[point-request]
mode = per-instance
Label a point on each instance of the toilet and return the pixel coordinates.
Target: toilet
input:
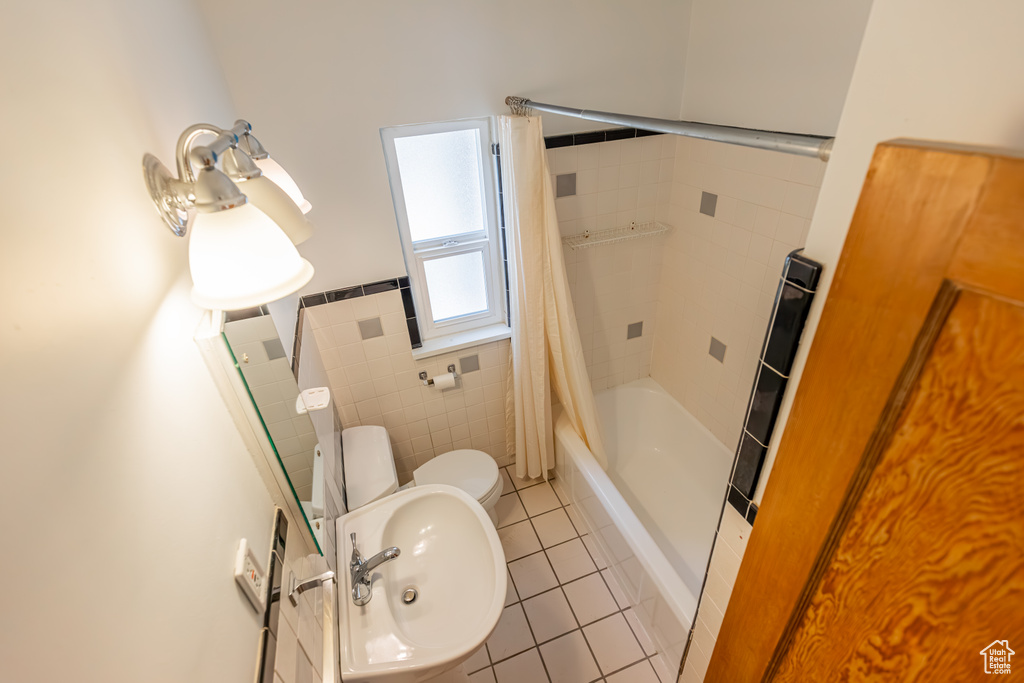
(370, 470)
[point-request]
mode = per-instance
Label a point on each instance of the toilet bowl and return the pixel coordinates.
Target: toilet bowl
(370, 470)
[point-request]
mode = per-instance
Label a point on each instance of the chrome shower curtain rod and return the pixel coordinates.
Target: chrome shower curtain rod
(791, 143)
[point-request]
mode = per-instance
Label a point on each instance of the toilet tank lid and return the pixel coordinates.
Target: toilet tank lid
(369, 465)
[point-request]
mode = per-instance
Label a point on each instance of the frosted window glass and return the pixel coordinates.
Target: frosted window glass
(456, 285)
(441, 183)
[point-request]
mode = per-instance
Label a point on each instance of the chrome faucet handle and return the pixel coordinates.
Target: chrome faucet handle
(361, 593)
(357, 557)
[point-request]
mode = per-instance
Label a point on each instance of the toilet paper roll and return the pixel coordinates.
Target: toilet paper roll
(445, 381)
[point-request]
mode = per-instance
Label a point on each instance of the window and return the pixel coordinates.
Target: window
(442, 184)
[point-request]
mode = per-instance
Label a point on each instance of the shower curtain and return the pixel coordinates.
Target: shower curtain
(546, 351)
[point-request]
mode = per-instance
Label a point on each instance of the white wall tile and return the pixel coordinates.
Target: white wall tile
(380, 385)
(719, 274)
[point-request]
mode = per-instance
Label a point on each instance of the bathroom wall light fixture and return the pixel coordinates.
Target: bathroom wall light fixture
(273, 170)
(240, 252)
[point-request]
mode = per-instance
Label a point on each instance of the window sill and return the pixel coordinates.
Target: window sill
(462, 340)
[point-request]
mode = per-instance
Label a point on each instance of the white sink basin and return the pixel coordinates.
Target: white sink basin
(451, 556)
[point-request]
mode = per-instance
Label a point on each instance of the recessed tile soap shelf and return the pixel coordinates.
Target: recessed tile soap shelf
(592, 238)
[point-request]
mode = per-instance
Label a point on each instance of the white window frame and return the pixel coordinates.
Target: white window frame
(486, 240)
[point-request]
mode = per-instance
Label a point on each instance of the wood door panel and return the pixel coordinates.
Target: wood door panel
(930, 567)
(883, 287)
(929, 213)
(991, 254)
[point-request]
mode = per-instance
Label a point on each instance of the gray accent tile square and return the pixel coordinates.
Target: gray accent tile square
(469, 364)
(708, 203)
(368, 329)
(717, 350)
(565, 185)
(635, 330)
(274, 349)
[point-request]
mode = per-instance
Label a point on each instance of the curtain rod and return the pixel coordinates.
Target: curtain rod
(816, 146)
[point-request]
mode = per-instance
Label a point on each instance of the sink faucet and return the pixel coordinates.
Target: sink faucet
(362, 571)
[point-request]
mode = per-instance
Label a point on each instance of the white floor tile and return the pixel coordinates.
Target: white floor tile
(518, 540)
(570, 560)
(553, 528)
(511, 595)
(549, 615)
(613, 643)
(511, 636)
(563, 495)
(532, 575)
(521, 483)
(595, 552)
(478, 660)
(506, 481)
(590, 598)
(569, 660)
(666, 673)
(577, 521)
(638, 673)
(539, 499)
(524, 668)
(638, 630)
(484, 676)
(509, 509)
(615, 588)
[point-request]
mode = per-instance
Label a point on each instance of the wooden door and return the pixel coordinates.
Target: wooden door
(890, 542)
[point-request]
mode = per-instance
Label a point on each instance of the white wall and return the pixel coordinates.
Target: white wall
(782, 65)
(125, 486)
(928, 70)
(318, 79)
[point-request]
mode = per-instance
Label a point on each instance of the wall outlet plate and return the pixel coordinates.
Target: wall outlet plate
(250, 576)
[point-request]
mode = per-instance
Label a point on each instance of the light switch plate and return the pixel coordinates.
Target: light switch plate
(250, 576)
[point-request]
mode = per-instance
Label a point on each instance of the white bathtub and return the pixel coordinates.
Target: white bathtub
(654, 512)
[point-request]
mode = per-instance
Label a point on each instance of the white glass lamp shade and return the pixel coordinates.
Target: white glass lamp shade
(273, 170)
(269, 198)
(240, 259)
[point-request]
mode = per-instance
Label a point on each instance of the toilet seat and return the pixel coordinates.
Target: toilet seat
(473, 471)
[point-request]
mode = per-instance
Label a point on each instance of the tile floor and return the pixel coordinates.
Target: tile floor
(565, 619)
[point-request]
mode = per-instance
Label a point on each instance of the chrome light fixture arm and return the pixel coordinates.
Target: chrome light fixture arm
(224, 140)
(177, 198)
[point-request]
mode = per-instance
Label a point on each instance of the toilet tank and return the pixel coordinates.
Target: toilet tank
(369, 465)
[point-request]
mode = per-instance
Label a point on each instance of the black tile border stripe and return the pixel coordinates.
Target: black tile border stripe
(379, 287)
(804, 273)
(592, 137)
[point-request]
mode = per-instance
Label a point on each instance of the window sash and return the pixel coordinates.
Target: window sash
(484, 247)
(484, 240)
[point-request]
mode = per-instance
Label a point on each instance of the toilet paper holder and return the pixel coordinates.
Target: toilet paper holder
(430, 382)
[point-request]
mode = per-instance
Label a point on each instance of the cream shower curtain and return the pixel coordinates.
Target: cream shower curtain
(546, 351)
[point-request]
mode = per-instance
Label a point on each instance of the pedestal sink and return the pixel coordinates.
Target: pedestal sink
(432, 606)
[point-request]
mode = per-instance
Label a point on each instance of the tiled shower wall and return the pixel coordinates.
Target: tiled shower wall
(375, 382)
(720, 271)
(615, 285)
